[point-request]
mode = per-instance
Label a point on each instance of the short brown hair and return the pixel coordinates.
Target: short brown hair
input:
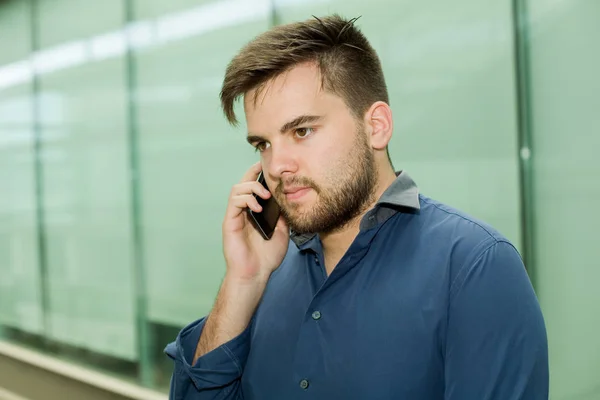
(349, 66)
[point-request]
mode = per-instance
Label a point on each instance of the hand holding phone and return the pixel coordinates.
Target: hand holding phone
(255, 235)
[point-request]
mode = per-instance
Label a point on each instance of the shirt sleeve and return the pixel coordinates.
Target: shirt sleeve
(215, 375)
(496, 344)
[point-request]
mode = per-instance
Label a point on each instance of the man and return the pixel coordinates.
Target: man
(378, 292)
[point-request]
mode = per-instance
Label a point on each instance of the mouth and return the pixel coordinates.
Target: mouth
(295, 193)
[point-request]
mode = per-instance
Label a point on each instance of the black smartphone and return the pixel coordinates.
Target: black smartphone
(266, 220)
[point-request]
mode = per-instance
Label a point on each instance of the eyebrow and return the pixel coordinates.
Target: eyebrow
(303, 119)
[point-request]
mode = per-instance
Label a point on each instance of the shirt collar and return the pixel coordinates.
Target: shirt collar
(401, 196)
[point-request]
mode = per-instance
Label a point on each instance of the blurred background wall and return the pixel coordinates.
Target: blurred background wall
(116, 161)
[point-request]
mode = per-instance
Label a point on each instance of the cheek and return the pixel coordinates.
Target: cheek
(337, 151)
(329, 162)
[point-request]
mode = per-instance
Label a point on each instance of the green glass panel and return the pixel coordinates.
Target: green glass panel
(20, 303)
(565, 86)
(87, 192)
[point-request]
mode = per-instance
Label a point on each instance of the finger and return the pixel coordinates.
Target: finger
(250, 187)
(239, 203)
(252, 173)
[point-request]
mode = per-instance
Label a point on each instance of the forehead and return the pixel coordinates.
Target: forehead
(291, 94)
(300, 82)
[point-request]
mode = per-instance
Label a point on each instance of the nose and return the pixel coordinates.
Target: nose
(281, 161)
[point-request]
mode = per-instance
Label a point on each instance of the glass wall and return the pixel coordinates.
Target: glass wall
(20, 294)
(565, 105)
(116, 161)
(86, 181)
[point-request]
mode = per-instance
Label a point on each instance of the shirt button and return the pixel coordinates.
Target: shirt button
(304, 384)
(317, 261)
(316, 315)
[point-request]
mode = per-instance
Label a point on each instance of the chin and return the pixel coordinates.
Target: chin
(300, 207)
(298, 217)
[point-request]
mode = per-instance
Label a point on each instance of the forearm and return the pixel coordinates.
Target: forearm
(234, 307)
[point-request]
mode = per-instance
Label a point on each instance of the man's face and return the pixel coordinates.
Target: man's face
(315, 155)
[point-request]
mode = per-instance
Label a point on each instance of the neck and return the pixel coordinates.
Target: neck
(335, 244)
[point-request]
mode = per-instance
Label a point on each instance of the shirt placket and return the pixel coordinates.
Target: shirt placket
(308, 359)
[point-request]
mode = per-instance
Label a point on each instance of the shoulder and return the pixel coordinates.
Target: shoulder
(444, 219)
(447, 240)
(442, 227)
(469, 242)
(455, 228)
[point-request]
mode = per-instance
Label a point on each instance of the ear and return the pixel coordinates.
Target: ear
(378, 120)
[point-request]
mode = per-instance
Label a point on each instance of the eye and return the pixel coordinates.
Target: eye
(304, 132)
(261, 146)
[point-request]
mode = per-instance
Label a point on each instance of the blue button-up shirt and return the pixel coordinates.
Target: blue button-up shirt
(427, 303)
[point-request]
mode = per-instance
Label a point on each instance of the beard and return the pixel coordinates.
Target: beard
(350, 189)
